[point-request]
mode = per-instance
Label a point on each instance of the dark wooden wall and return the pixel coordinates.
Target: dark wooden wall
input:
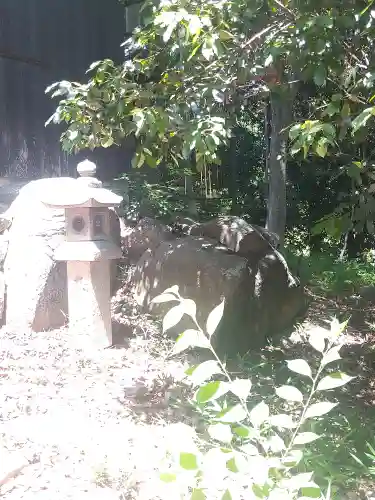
(43, 41)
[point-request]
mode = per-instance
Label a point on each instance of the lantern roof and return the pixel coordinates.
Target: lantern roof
(87, 191)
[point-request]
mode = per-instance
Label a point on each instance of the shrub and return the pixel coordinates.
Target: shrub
(247, 451)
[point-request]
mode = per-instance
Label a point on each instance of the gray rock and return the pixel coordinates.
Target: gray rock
(202, 272)
(148, 234)
(4, 242)
(262, 297)
(237, 235)
(35, 282)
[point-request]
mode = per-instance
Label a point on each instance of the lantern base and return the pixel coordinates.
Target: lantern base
(89, 301)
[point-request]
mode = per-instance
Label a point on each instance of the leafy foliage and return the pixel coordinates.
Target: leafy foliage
(328, 276)
(195, 70)
(246, 451)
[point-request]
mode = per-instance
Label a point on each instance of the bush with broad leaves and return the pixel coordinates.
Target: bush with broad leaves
(245, 451)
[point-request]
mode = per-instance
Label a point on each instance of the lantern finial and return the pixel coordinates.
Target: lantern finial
(87, 170)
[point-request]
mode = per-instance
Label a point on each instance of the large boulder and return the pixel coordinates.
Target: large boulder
(266, 304)
(262, 297)
(203, 273)
(36, 294)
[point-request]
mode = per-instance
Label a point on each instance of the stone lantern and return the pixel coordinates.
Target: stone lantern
(88, 251)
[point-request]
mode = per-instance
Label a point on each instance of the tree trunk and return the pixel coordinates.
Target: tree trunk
(282, 113)
(267, 140)
(233, 174)
(192, 207)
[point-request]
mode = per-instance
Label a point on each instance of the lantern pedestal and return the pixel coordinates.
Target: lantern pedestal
(88, 300)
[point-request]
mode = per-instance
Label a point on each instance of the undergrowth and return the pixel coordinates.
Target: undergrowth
(253, 445)
(329, 276)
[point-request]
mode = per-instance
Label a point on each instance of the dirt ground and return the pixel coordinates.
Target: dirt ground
(76, 423)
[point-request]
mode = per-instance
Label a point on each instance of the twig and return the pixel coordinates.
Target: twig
(283, 7)
(360, 64)
(264, 31)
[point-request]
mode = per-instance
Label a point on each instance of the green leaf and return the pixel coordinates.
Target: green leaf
(337, 328)
(329, 130)
(195, 25)
(204, 371)
(225, 35)
(295, 131)
(300, 366)
(164, 297)
(168, 32)
(241, 388)
(234, 414)
(268, 61)
(298, 481)
(362, 119)
(173, 317)
(138, 160)
(167, 477)
(305, 438)
(275, 444)
(242, 432)
(333, 380)
(207, 52)
(282, 420)
(151, 161)
(189, 307)
(211, 391)
(190, 338)
(227, 495)
(108, 142)
(194, 51)
(319, 409)
(331, 355)
(220, 432)
(320, 75)
(259, 414)
(290, 393)
(322, 148)
(231, 465)
(214, 319)
(317, 340)
(332, 109)
(312, 491)
(293, 458)
(198, 494)
(188, 461)
(173, 289)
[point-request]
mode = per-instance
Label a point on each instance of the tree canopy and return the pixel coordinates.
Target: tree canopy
(196, 68)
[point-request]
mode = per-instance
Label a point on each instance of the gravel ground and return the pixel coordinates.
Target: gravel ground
(77, 423)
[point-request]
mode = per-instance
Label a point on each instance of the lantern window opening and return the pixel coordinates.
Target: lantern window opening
(78, 224)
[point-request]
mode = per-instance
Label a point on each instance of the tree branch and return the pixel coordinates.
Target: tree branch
(283, 7)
